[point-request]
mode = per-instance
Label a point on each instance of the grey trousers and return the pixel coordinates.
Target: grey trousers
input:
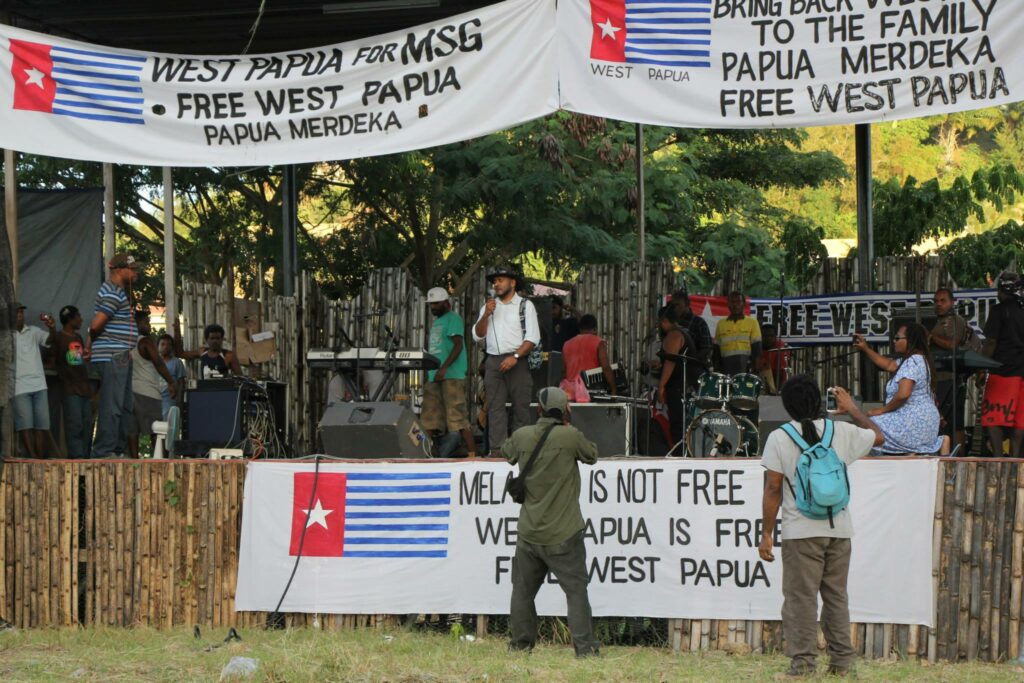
(811, 566)
(568, 562)
(514, 386)
(116, 407)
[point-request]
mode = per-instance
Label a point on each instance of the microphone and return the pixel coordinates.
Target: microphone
(491, 293)
(721, 444)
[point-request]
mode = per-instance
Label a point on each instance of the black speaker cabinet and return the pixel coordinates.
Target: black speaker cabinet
(606, 424)
(370, 430)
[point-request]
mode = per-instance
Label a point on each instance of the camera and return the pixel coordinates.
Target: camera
(831, 405)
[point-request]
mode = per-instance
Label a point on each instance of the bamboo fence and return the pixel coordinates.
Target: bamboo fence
(155, 543)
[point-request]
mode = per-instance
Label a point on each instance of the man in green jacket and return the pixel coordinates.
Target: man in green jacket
(551, 523)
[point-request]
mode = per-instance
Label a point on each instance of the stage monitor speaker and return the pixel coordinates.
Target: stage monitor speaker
(606, 424)
(370, 430)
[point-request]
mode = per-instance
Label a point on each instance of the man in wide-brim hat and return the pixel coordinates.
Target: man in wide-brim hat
(508, 328)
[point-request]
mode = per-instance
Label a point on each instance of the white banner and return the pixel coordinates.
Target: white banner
(787, 63)
(670, 538)
(455, 79)
(835, 318)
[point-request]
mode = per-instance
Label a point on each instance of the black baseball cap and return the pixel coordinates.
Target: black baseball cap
(67, 313)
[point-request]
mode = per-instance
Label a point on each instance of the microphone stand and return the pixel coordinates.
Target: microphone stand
(683, 358)
(826, 359)
(634, 365)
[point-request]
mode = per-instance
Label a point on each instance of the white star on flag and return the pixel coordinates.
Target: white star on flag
(317, 515)
(710, 318)
(608, 29)
(35, 77)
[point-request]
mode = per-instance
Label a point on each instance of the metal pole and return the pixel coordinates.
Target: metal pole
(865, 240)
(170, 303)
(288, 226)
(109, 231)
(641, 215)
(11, 211)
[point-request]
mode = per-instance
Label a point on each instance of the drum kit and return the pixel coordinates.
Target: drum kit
(717, 424)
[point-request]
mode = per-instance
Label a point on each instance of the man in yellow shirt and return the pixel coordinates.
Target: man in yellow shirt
(737, 339)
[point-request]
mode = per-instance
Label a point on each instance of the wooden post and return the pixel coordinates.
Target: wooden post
(11, 211)
(109, 230)
(171, 309)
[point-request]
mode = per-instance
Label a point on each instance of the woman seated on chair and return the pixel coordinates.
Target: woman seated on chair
(909, 419)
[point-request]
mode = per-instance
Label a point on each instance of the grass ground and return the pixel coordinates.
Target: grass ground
(399, 657)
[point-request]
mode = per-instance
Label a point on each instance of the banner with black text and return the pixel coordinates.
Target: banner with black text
(673, 538)
(835, 318)
(455, 79)
(787, 63)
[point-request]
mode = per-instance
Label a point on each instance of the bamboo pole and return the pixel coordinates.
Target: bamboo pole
(1015, 645)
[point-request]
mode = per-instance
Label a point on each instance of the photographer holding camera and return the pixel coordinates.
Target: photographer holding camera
(550, 521)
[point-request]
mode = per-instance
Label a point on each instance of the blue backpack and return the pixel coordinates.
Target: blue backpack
(822, 485)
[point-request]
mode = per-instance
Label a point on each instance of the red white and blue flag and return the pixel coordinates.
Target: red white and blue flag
(85, 84)
(348, 533)
(673, 33)
(371, 514)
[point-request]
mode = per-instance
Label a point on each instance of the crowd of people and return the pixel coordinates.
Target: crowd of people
(113, 383)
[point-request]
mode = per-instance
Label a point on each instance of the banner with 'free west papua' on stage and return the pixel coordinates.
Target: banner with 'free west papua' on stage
(672, 538)
(787, 63)
(454, 79)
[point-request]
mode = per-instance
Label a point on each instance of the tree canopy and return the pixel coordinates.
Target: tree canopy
(561, 192)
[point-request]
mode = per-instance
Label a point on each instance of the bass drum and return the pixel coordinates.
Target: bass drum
(714, 433)
(751, 439)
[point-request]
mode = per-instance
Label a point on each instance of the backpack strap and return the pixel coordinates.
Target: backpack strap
(796, 437)
(522, 315)
(830, 429)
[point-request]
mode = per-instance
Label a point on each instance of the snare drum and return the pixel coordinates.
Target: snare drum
(744, 391)
(712, 390)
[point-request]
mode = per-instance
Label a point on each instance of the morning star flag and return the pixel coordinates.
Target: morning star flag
(85, 84)
(787, 63)
(454, 79)
(371, 514)
(660, 32)
(350, 526)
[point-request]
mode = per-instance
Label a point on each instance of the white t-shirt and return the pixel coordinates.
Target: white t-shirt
(780, 454)
(505, 330)
(29, 375)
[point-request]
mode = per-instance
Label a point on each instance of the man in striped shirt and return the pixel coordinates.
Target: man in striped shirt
(112, 336)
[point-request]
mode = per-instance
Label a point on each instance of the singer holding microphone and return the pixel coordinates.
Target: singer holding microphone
(509, 330)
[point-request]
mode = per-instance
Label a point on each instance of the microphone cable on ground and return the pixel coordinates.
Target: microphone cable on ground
(275, 620)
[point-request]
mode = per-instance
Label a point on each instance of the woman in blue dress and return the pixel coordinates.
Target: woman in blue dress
(909, 419)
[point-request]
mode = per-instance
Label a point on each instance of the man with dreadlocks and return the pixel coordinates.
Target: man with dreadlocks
(815, 552)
